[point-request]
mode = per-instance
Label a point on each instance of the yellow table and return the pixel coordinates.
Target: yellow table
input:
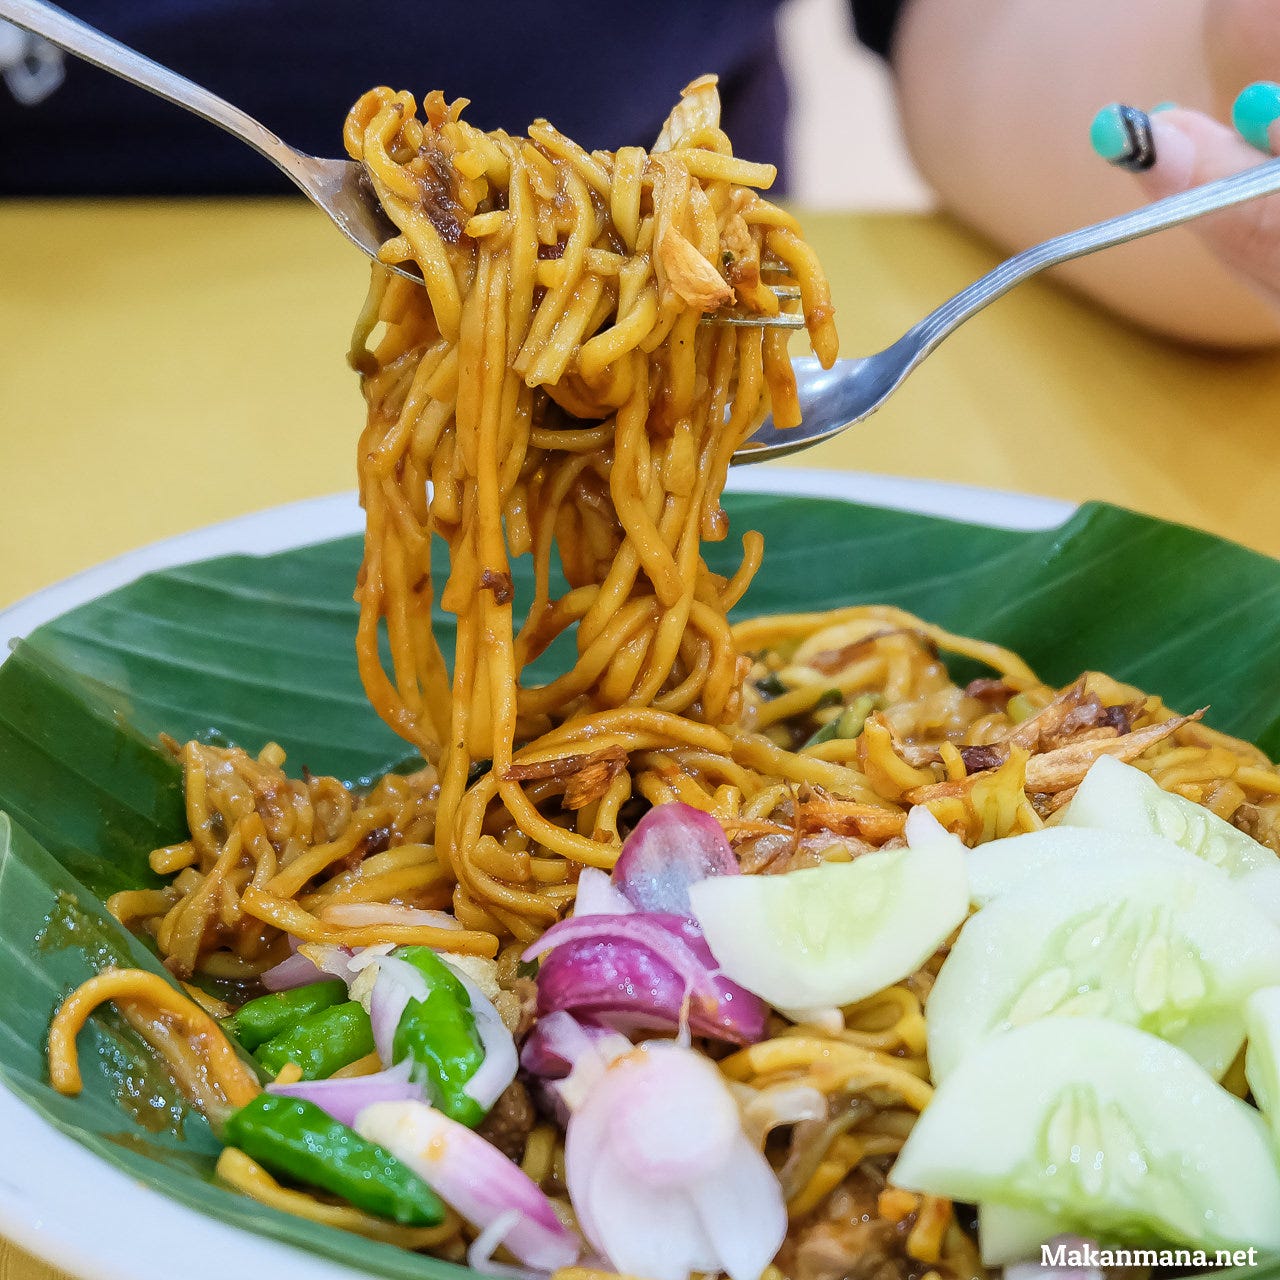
(163, 366)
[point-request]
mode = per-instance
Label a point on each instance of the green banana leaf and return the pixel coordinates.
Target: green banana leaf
(252, 649)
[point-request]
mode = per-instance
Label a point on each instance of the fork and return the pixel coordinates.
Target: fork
(339, 187)
(834, 399)
(831, 400)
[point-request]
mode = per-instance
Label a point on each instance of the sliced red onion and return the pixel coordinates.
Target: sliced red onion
(743, 1215)
(558, 1041)
(363, 957)
(645, 970)
(670, 938)
(337, 962)
(397, 983)
(675, 1251)
(355, 915)
(566, 1057)
(672, 1119)
(345, 1098)
(480, 1250)
(784, 1103)
(500, 1059)
(658, 1141)
(672, 846)
(296, 971)
(474, 1178)
(598, 896)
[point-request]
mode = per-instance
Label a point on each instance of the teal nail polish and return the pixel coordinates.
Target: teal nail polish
(1163, 106)
(1121, 135)
(1107, 134)
(1254, 111)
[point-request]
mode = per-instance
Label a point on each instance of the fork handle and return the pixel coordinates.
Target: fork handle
(60, 28)
(1261, 180)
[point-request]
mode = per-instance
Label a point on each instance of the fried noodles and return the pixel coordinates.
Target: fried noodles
(553, 384)
(550, 389)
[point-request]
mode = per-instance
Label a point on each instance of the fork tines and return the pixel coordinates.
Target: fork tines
(751, 319)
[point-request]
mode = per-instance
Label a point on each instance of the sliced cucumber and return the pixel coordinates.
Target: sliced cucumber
(1000, 866)
(1262, 888)
(1104, 1128)
(1165, 944)
(1262, 1057)
(1115, 796)
(833, 934)
(1008, 1234)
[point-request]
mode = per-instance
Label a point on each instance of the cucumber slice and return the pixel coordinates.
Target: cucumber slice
(1262, 1057)
(833, 934)
(999, 866)
(1010, 1234)
(1115, 796)
(1163, 943)
(1108, 1130)
(1262, 888)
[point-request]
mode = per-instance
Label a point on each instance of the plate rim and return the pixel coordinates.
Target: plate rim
(73, 1210)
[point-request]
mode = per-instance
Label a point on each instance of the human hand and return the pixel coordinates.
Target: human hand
(1173, 148)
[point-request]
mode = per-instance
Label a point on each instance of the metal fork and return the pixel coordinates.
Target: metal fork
(834, 399)
(830, 400)
(339, 187)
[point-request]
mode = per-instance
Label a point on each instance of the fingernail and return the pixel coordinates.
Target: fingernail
(1121, 135)
(1163, 106)
(1177, 152)
(1254, 111)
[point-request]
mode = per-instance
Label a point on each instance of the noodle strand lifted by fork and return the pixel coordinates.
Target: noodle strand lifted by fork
(551, 390)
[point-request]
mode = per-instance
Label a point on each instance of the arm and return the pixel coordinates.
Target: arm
(997, 97)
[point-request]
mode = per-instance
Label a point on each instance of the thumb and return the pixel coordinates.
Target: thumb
(1188, 149)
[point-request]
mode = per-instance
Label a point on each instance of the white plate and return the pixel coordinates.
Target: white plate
(85, 1216)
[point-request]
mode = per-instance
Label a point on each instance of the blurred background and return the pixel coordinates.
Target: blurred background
(842, 105)
(844, 146)
(166, 363)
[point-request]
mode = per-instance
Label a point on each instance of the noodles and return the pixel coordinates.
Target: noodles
(550, 389)
(553, 383)
(220, 1067)
(237, 1170)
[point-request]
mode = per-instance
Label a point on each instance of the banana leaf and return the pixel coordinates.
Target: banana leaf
(249, 650)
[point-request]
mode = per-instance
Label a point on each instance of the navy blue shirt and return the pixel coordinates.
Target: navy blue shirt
(605, 75)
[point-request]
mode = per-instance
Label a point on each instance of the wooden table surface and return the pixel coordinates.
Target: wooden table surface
(167, 365)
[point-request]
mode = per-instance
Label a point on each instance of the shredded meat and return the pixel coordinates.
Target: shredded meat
(377, 841)
(558, 766)
(741, 261)
(816, 811)
(850, 1241)
(592, 780)
(692, 277)
(524, 991)
(994, 692)
(1118, 718)
(510, 1122)
(832, 661)
(976, 759)
(499, 582)
(1075, 711)
(1066, 766)
(586, 775)
(759, 854)
(698, 108)
(437, 193)
(1253, 821)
